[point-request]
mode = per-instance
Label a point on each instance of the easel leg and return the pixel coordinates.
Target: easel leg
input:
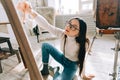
(89, 50)
(1, 67)
(115, 66)
(18, 56)
(22, 58)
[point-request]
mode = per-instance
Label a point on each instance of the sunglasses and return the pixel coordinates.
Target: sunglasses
(72, 27)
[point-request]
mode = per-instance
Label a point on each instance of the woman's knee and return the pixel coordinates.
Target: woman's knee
(44, 45)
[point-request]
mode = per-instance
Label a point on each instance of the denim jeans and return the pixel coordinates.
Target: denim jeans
(70, 67)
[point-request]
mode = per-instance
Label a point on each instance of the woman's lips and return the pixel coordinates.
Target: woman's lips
(66, 30)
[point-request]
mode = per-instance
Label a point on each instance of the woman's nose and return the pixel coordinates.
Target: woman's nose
(67, 27)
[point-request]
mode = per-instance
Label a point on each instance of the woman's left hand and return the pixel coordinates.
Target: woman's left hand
(88, 77)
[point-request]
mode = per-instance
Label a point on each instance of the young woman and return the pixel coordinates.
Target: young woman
(73, 44)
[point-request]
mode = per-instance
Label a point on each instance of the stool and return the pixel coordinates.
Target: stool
(5, 50)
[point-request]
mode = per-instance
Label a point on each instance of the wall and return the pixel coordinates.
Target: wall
(88, 18)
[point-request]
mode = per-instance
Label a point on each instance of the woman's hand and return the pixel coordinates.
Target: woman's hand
(88, 77)
(24, 7)
(21, 6)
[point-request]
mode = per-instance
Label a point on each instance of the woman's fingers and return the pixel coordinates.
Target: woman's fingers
(24, 7)
(21, 6)
(28, 7)
(88, 77)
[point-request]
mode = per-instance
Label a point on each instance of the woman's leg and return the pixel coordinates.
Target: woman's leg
(68, 74)
(69, 71)
(47, 50)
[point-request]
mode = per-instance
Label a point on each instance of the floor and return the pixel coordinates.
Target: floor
(100, 62)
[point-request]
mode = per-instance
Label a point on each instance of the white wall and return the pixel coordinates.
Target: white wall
(51, 3)
(88, 18)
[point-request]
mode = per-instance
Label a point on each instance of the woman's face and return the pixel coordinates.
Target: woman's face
(72, 28)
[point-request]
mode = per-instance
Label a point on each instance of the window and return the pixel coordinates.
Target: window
(67, 6)
(86, 5)
(73, 6)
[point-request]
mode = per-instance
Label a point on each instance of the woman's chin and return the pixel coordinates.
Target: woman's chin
(67, 34)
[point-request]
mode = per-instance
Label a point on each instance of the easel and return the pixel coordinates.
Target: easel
(115, 66)
(110, 20)
(22, 40)
(107, 17)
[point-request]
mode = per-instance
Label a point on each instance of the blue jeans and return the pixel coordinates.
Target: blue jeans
(70, 67)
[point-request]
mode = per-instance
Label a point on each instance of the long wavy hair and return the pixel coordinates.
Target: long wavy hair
(81, 39)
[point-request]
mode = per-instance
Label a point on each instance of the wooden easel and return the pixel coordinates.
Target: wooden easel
(116, 69)
(22, 40)
(107, 14)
